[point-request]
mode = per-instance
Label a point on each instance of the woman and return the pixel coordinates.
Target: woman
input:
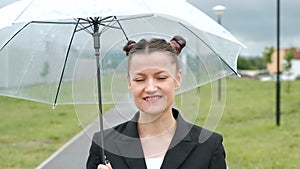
(157, 137)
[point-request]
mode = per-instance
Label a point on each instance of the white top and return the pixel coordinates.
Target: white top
(154, 163)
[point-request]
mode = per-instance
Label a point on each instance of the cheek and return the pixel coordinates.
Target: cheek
(135, 89)
(169, 89)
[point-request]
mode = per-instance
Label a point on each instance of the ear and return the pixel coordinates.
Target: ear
(178, 79)
(128, 82)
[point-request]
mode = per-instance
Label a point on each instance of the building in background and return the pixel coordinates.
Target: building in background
(295, 69)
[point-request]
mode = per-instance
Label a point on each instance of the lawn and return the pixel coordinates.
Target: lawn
(31, 132)
(251, 138)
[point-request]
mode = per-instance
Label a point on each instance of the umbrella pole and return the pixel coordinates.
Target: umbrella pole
(96, 36)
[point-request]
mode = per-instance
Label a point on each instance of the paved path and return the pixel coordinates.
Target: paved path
(73, 155)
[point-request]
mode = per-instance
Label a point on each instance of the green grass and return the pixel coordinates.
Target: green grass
(31, 132)
(251, 138)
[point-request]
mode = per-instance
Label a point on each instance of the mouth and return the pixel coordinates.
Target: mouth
(152, 99)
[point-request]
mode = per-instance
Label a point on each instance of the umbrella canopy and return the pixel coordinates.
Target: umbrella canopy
(70, 52)
(45, 42)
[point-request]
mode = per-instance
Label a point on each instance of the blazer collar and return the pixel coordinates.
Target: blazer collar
(181, 145)
(130, 147)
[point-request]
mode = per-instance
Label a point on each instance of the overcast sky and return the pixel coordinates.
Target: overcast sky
(253, 22)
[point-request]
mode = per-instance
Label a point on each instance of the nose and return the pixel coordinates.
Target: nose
(151, 86)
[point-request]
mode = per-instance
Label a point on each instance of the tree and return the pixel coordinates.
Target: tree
(288, 57)
(288, 65)
(250, 63)
(268, 53)
(242, 63)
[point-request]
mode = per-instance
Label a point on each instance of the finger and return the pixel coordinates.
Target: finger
(109, 166)
(101, 166)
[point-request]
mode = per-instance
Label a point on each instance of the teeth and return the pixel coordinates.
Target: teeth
(152, 98)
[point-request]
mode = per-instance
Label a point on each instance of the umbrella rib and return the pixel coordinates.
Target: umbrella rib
(104, 19)
(210, 49)
(136, 17)
(82, 19)
(64, 66)
(110, 26)
(121, 28)
(23, 11)
(53, 22)
(106, 26)
(96, 20)
(84, 28)
(14, 35)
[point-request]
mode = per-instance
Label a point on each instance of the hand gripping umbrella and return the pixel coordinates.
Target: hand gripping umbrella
(45, 47)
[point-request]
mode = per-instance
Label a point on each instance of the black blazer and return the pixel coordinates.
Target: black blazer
(192, 147)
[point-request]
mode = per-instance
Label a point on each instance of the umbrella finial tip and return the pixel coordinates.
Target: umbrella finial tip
(54, 105)
(239, 75)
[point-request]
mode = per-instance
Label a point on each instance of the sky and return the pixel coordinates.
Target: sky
(253, 22)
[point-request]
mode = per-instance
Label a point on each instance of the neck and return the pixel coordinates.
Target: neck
(156, 133)
(153, 125)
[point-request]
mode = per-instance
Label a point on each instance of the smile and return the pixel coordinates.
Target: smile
(152, 98)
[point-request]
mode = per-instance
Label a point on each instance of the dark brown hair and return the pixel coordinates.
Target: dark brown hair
(175, 46)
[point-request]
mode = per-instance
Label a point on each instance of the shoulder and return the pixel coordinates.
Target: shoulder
(207, 146)
(204, 136)
(197, 134)
(209, 143)
(115, 132)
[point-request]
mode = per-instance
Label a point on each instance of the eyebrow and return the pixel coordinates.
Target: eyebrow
(142, 74)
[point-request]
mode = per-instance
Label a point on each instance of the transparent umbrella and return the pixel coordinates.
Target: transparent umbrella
(62, 52)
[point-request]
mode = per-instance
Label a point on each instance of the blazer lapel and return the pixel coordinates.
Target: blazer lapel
(130, 147)
(177, 155)
(132, 153)
(181, 145)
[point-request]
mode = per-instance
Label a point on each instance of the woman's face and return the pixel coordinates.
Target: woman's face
(152, 81)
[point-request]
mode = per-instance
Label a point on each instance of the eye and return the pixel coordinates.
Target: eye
(139, 79)
(162, 77)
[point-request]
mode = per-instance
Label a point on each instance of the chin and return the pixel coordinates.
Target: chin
(153, 110)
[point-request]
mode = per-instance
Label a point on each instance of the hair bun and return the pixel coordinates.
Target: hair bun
(178, 43)
(130, 44)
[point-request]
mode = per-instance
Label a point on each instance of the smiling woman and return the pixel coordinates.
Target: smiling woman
(153, 79)
(157, 133)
